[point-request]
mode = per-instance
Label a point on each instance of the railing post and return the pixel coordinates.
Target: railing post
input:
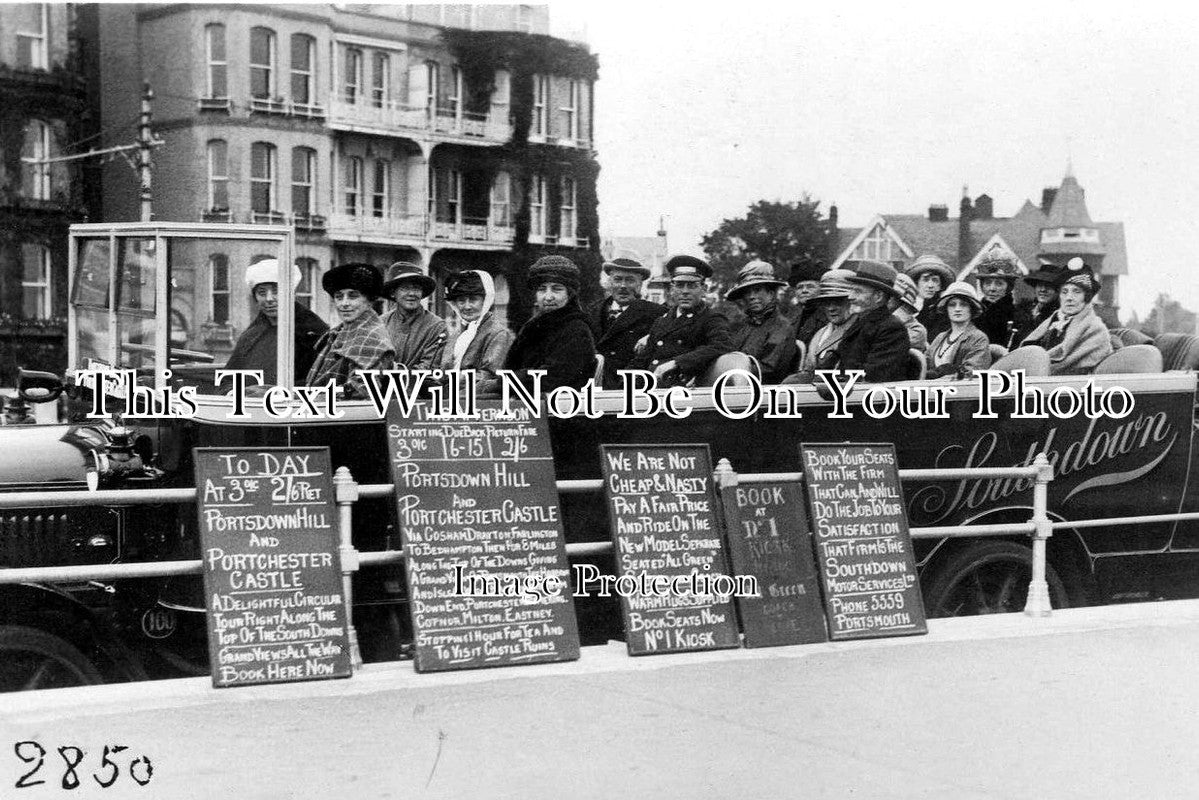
(724, 474)
(345, 489)
(1038, 604)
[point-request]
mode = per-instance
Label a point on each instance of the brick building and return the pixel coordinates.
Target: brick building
(458, 137)
(1053, 232)
(43, 97)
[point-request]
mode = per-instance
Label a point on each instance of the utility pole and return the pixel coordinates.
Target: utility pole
(144, 143)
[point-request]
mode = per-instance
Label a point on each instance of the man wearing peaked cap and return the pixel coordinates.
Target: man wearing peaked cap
(765, 333)
(876, 342)
(418, 334)
(622, 318)
(257, 347)
(683, 342)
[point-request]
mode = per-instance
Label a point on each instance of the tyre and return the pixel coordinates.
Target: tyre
(987, 578)
(34, 659)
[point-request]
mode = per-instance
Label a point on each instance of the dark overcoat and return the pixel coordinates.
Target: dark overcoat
(557, 341)
(1000, 320)
(693, 339)
(616, 339)
(876, 342)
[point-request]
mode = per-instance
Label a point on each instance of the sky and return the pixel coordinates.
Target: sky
(702, 109)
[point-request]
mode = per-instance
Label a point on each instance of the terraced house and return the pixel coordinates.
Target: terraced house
(459, 137)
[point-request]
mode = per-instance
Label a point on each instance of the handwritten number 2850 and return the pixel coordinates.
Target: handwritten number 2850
(33, 753)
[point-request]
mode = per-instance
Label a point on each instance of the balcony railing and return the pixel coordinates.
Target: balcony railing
(308, 110)
(391, 114)
(400, 227)
(268, 218)
(216, 215)
(308, 222)
(472, 230)
(266, 105)
(214, 104)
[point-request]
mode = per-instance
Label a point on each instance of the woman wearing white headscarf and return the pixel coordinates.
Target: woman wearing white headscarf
(482, 342)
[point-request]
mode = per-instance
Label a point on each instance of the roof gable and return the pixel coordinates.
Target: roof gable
(879, 223)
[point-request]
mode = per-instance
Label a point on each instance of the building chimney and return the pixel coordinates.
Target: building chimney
(1048, 194)
(832, 238)
(938, 212)
(965, 214)
(984, 207)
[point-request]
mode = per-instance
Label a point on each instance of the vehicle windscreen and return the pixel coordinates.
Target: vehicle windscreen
(155, 302)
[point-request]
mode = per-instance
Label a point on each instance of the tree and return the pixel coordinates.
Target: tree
(779, 233)
(1168, 316)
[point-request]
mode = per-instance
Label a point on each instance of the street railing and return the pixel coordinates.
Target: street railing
(347, 492)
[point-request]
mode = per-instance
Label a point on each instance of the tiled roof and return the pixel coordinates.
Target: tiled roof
(1069, 208)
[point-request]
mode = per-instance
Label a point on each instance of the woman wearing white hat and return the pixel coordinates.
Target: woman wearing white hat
(258, 344)
(1077, 340)
(959, 351)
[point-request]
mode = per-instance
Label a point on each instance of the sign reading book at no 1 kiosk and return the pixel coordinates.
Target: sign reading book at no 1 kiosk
(272, 578)
(769, 538)
(863, 547)
(477, 505)
(668, 544)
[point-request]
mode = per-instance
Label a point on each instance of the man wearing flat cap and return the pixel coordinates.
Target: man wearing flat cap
(876, 342)
(622, 318)
(257, 346)
(417, 334)
(686, 340)
(764, 333)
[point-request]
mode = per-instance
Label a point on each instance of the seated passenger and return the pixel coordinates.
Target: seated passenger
(685, 341)
(765, 333)
(905, 307)
(417, 334)
(257, 346)
(622, 318)
(1075, 337)
(876, 342)
(997, 274)
(359, 341)
(1044, 302)
(806, 274)
(481, 342)
(832, 298)
(557, 339)
(931, 275)
(963, 349)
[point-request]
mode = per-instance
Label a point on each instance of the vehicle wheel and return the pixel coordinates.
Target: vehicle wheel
(33, 659)
(988, 578)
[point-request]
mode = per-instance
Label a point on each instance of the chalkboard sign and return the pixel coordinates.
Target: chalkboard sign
(272, 577)
(769, 538)
(863, 547)
(675, 590)
(477, 505)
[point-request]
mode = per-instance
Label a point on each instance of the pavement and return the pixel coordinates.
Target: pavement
(1089, 703)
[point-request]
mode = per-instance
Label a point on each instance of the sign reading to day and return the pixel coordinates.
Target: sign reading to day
(863, 547)
(272, 579)
(767, 525)
(669, 548)
(477, 505)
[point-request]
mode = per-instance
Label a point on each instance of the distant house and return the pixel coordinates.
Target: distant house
(1054, 232)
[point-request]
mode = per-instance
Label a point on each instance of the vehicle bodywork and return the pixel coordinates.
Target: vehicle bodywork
(140, 313)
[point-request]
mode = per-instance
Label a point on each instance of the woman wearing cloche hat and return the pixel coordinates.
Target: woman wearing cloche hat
(997, 274)
(359, 341)
(1043, 303)
(557, 339)
(963, 349)
(1077, 340)
(765, 333)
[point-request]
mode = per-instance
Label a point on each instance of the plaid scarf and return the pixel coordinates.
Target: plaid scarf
(361, 343)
